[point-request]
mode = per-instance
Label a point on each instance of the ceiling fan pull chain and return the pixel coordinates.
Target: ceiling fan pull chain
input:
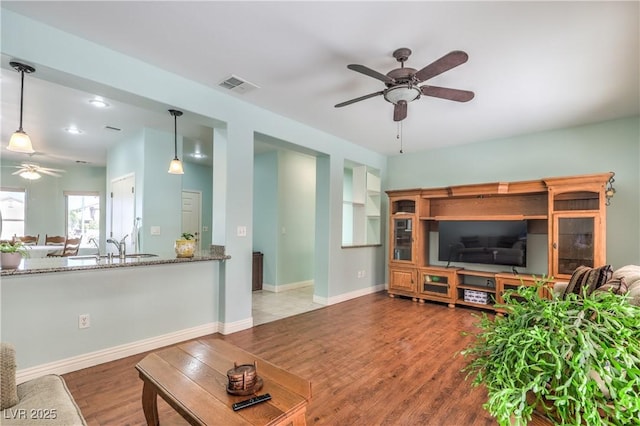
(399, 135)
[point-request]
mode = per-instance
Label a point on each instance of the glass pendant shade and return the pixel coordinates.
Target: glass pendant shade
(175, 167)
(20, 142)
(406, 93)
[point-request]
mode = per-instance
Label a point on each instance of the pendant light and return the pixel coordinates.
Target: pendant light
(175, 167)
(20, 141)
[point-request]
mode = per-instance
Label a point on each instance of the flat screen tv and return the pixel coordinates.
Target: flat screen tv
(494, 242)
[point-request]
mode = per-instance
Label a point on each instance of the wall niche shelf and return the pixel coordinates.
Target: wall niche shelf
(567, 209)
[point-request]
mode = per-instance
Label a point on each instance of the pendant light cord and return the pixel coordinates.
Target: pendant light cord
(175, 136)
(399, 135)
(21, 98)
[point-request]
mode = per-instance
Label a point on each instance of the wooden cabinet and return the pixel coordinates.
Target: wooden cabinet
(476, 288)
(577, 225)
(403, 247)
(402, 281)
(513, 282)
(570, 210)
(437, 284)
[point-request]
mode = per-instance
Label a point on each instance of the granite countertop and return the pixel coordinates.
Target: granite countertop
(89, 262)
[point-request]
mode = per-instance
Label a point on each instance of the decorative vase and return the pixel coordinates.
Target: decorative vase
(10, 260)
(185, 248)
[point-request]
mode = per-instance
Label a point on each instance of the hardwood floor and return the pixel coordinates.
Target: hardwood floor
(371, 361)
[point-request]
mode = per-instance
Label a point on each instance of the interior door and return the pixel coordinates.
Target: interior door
(123, 209)
(191, 214)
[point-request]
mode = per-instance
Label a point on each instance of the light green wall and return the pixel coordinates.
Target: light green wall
(40, 312)
(265, 219)
(45, 196)
(296, 201)
(597, 148)
(198, 177)
(162, 194)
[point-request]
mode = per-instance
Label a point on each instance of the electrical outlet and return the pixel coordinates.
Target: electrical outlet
(84, 321)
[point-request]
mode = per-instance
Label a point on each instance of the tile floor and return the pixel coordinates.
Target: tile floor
(269, 306)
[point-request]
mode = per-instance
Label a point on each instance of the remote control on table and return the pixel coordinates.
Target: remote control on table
(249, 402)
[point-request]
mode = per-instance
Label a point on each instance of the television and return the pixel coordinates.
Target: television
(494, 242)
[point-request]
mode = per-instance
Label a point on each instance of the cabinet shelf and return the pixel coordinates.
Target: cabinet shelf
(475, 305)
(488, 217)
(476, 288)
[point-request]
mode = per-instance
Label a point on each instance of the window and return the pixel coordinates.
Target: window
(83, 216)
(12, 209)
(360, 205)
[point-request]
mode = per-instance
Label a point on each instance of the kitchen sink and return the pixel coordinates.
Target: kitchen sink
(139, 255)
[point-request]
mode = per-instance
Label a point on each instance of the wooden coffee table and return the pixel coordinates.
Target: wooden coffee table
(192, 378)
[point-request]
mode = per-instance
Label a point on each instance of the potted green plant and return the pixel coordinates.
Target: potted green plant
(185, 245)
(574, 360)
(11, 253)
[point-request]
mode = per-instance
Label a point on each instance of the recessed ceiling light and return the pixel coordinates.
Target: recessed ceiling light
(198, 155)
(98, 103)
(73, 130)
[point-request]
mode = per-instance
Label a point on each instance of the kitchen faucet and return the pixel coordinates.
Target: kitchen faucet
(121, 246)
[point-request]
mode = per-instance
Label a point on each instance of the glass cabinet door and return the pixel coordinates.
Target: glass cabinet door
(574, 243)
(403, 239)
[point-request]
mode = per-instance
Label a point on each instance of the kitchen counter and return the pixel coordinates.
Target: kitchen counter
(89, 262)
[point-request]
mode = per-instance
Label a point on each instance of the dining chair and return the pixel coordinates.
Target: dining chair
(71, 247)
(28, 240)
(54, 240)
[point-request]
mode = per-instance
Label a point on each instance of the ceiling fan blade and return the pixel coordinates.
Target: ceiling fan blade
(446, 93)
(49, 169)
(371, 73)
(448, 61)
(47, 172)
(361, 98)
(400, 111)
(17, 172)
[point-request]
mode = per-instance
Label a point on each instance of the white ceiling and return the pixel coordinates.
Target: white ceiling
(533, 66)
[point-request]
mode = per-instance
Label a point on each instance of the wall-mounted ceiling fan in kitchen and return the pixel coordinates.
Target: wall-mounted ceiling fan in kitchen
(402, 83)
(31, 171)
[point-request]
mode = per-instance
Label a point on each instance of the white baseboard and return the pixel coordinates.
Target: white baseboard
(287, 287)
(348, 296)
(228, 328)
(116, 352)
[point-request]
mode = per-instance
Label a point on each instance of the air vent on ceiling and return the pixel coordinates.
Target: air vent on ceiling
(115, 129)
(237, 84)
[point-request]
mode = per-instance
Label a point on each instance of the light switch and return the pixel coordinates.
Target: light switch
(242, 231)
(155, 230)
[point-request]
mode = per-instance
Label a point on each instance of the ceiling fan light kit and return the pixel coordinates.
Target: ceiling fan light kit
(20, 141)
(30, 175)
(402, 83)
(175, 167)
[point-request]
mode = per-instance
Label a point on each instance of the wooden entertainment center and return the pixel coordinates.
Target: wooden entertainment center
(570, 210)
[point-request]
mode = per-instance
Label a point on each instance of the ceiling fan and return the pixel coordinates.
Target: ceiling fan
(402, 83)
(33, 171)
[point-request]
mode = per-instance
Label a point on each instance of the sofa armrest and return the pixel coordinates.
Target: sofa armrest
(46, 401)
